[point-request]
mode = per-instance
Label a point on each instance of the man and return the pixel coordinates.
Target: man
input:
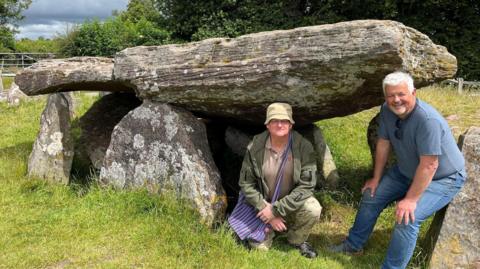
(429, 171)
(296, 210)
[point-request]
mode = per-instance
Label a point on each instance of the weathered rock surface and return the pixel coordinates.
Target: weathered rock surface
(327, 174)
(322, 71)
(52, 153)
(73, 74)
(237, 140)
(164, 148)
(14, 95)
(458, 244)
(98, 122)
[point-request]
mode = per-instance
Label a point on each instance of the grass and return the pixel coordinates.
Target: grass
(7, 81)
(45, 225)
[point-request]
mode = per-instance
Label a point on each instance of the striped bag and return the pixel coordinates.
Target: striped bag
(244, 220)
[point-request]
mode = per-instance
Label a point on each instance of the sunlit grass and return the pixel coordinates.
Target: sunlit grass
(45, 225)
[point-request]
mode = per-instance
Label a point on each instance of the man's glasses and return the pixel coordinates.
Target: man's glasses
(398, 131)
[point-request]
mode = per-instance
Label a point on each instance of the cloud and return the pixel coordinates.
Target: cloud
(49, 29)
(49, 17)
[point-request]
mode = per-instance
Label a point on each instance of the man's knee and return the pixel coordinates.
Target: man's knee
(409, 230)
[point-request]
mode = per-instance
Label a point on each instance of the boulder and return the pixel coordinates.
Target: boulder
(14, 95)
(73, 74)
(98, 122)
(237, 141)
(372, 137)
(327, 174)
(52, 152)
(458, 243)
(322, 71)
(163, 148)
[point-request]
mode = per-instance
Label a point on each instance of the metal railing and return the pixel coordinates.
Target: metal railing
(10, 63)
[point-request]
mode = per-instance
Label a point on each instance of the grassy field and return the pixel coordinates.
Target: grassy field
(45, 225)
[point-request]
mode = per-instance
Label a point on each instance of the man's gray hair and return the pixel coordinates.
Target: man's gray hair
(395, 78)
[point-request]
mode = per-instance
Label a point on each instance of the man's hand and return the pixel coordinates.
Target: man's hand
(278, 224)
(371, 184)
(405, 210)
(266, 214)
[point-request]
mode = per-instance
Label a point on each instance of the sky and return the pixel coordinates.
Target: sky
(48, 18)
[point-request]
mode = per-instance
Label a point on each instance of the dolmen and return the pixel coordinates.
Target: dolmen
(176, 111)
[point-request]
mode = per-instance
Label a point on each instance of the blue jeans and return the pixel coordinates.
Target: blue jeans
(393, 187)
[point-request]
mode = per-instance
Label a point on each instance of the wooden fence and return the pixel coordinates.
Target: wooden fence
(460, 82)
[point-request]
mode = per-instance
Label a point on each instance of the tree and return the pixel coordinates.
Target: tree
(10, 14)
(451, 23)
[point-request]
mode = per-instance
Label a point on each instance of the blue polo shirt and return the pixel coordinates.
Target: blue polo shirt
(423, 132)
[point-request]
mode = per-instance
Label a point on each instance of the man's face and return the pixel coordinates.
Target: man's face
(399, 99)
(279, 128)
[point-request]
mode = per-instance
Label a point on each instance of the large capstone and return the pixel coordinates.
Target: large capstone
(163, 148)
(73, 74)
(52, 152)
(322, 71)
(458, 244)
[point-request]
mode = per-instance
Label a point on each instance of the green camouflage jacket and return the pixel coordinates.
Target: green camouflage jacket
(252, 181)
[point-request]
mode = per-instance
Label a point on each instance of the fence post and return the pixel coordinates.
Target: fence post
(460, 85)
(1, 82)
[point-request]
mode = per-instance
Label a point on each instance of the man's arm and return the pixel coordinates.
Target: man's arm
(423, 176)
(381, 156)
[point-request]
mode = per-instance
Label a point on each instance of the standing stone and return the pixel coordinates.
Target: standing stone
(372, 137)
(327, 174)
(98, 122)
(458, 244)
(52, 153)
(237, 140)
(14, 95)
(163, 148)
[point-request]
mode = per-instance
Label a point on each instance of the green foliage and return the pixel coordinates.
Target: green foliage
(10, 10)
(452, 23)
(7, 40)
(39, 45)
(95, 38)
(46, 225)
(10, 13)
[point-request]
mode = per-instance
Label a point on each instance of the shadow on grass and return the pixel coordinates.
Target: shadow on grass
(348, 190)
(16, 156)
(372, 257)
